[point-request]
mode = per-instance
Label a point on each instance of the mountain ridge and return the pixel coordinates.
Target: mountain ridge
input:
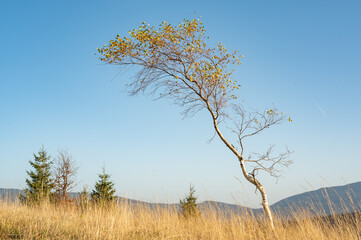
(323, 201)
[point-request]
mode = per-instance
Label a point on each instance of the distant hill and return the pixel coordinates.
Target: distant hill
(321, 202)
(324, 201)
(10, 193)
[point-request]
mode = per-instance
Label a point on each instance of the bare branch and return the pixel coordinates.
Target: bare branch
(64, 173)
(269, 163)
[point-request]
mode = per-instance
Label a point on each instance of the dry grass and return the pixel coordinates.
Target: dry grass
(125, 222)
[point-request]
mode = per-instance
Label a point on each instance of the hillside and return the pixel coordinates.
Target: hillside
(10, 193)
(324, 201)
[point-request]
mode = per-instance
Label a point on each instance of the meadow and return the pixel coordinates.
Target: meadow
(123, 221)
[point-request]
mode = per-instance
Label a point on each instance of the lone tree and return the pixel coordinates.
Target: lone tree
(104, 189)
(64, 175)
(40, 183)
(175, 62)
(188, 205)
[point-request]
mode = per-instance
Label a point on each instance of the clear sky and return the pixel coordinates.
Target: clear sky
(302, 56)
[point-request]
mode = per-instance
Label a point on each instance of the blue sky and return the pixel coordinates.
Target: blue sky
(302, 56)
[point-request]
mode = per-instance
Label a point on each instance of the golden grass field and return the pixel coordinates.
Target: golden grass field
(125, 222)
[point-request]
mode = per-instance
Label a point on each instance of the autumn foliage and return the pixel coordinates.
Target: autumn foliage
(177, 61)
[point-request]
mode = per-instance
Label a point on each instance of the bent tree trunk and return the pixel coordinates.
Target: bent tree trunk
(250, 178)
(259, 186)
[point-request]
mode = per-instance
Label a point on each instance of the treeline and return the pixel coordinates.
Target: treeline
(52, 180)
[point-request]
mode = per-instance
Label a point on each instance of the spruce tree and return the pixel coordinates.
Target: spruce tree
(39, 184)
(104, 191)
(188, 205)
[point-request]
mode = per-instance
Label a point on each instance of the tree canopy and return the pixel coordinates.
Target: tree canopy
(178, 64)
